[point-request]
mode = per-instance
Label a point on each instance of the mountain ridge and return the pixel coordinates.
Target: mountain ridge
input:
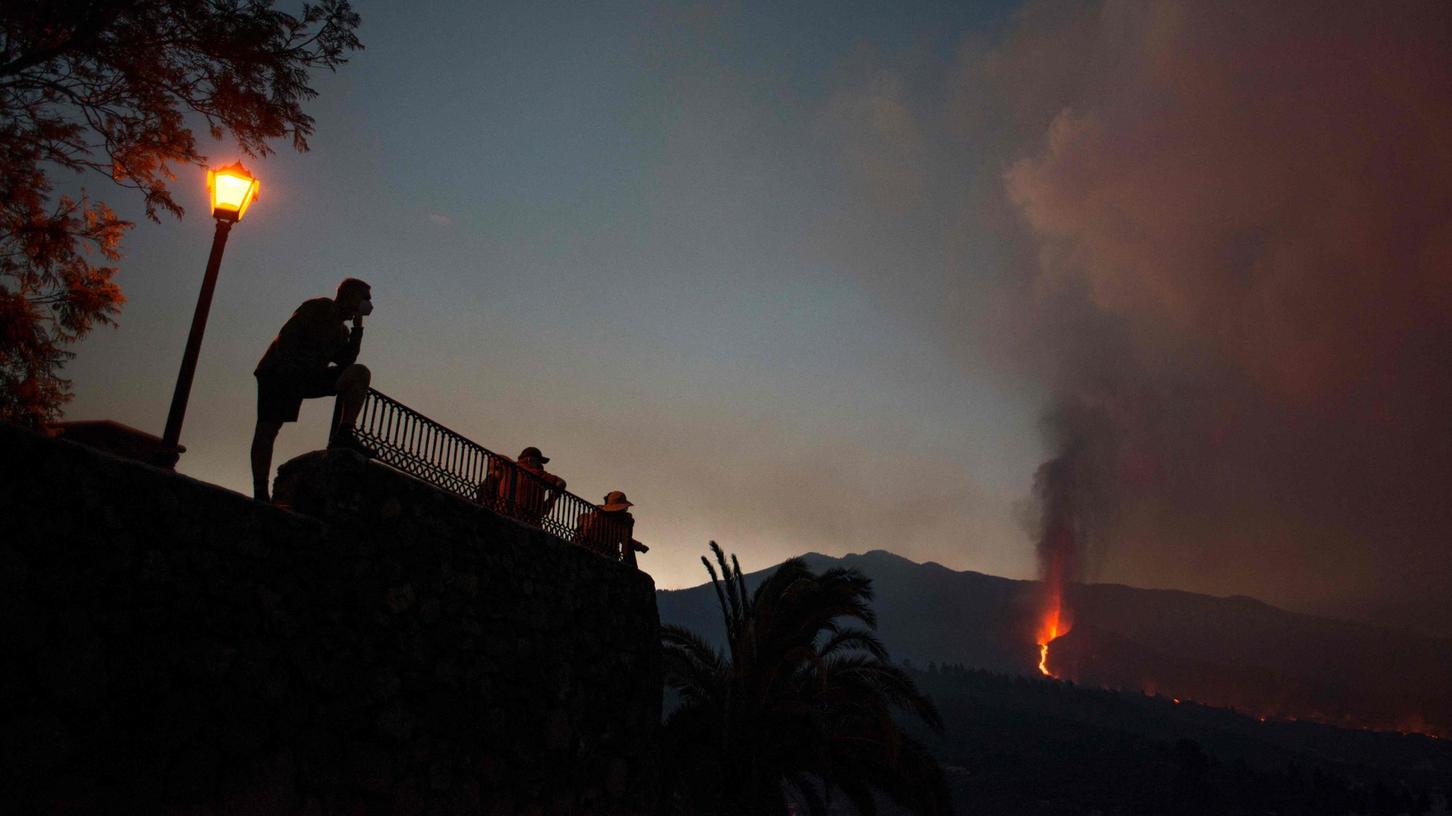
(817, 559)
(1235, 651)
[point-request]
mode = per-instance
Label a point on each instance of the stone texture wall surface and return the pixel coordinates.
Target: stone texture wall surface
(167, 646)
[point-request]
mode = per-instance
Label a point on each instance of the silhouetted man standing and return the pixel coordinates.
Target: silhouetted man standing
(312, 356)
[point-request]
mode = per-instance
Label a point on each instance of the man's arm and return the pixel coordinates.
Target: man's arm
(556, 487)
(585, 529)
(488, 493)
(348, 351)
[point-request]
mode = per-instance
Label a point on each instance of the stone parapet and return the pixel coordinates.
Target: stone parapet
(171, 646)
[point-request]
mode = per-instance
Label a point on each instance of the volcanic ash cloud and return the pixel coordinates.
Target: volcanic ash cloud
(1239, 224)
(1073, 505)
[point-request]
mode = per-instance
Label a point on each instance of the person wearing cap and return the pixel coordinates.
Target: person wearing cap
(607, 529)
(524, 489)
(314, 355)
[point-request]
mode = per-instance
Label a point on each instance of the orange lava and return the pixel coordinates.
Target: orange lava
(1049, 629)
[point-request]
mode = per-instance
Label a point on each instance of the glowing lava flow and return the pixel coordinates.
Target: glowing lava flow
(1054, 618)
(1056, 483)
(1049, 630)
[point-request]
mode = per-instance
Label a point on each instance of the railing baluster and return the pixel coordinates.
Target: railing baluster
(414, 429)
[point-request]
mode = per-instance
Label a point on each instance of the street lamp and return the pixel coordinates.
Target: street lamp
(232, 190)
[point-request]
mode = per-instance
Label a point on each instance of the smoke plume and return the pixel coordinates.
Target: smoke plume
(1236, 277)
(1073, 506)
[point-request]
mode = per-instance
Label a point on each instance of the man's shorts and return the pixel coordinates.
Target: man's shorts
(280, 393)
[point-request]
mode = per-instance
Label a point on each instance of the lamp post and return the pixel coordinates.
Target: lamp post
(233, 190)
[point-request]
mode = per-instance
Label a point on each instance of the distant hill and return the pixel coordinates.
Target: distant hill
(1233, 651)
(1020, 746)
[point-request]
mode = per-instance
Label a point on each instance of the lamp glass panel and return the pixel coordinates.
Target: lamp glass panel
(232, 193)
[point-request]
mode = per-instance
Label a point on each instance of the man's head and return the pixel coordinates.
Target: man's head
(354, 297)
(531, 458)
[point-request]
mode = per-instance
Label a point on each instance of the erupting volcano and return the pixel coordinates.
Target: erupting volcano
(1049, 628)
(1045, 638)
(1053, 617)
(1067, 504)
(1056, 551)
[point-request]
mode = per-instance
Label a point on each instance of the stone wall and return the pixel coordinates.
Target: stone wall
(170, 646)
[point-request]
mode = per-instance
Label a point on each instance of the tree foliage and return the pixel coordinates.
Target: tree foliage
(115, 87)
(800, 705)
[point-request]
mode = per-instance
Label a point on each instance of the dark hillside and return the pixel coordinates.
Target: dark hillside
(925, 611)
(1019, 745)
(1232, 651)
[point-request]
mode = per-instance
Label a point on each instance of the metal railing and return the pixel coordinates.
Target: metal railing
(408, 441)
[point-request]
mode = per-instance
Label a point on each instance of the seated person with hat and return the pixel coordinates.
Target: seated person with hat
(523, 490)
(607, 529)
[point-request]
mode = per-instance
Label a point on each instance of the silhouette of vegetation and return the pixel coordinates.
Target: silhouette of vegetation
(1025, 746)
(1018, 744)
(108, 86)
(800, 706)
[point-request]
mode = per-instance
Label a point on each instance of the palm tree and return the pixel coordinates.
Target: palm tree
(800, 705)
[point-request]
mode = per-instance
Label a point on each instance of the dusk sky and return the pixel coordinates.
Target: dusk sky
(809, 277)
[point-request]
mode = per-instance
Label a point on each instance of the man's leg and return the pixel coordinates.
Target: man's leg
(352, 389)
(262, 439)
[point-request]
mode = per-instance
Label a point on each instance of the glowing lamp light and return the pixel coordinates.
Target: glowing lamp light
(233, 190)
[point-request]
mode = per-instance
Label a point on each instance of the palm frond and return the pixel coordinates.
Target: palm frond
(688, 642)
(803, 701)
(843, 639)
(741, 585)
(729, 583)
(874, 679)
(691, 665)
(720, 596)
